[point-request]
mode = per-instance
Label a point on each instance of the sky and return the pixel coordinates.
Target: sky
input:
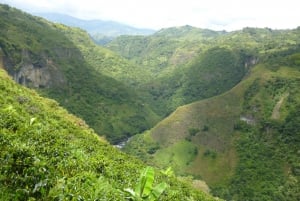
(226, 15)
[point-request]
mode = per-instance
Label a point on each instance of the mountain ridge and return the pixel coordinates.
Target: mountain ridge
(102, 31)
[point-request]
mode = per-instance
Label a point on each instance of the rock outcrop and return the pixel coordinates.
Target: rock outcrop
(38, 73)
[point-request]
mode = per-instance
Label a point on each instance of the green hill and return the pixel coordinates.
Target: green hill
(103, 60)
(48, 154)
(162, 52)
(239, 132)
(182, 65)
(185, 64)
(50, 58)
(243, 143)
(213, 72)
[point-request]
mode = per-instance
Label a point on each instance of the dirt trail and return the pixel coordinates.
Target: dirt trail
(276, 113)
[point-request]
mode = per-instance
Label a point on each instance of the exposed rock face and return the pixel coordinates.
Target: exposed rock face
(248, 119)
(38, 77)
(41, 74)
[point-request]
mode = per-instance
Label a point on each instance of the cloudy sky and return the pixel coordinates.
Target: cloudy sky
(213, 14)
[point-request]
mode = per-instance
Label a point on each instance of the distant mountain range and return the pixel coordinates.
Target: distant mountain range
(102, 31)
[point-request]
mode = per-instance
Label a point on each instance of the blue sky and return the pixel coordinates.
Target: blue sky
(213, 14)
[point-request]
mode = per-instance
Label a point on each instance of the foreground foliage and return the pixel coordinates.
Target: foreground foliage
(144, 189)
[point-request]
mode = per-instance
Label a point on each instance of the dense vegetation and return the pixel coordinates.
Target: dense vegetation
(30, 44)
(268, 146)
(48, 154)
(245, 142)
(240, 135)
(185, 64)
(243, 151)
(103, 60)
(211, 73)
(182, 65)
(168, 49)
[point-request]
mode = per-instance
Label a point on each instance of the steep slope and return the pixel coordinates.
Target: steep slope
(183, 64)
(103, 60)
(38, 54)
(243, 143)
(210, 73)
(213, 72)
(48, 154)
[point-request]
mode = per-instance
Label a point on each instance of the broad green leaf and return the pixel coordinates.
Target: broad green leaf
(144, 186)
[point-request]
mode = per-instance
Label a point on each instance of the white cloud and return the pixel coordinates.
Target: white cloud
(214, 14)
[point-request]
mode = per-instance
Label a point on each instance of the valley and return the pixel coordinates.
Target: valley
(220, 109)
(206, 137)
(43, 56)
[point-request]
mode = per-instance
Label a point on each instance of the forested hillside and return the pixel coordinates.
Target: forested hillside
(243, 143)
(185, 64)
(103, 60)
(165, 50)
(182, 64)
(41, 55)
(231, 102)
(48, 154)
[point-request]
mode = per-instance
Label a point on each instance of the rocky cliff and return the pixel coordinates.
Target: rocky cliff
(33, 72)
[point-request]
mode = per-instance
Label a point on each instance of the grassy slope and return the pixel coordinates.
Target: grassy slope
(215, 119)
(109, 106)
(48, 154)
(213, 72)
(218, 114)
(221, 158)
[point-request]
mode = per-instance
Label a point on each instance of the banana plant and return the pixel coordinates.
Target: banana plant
(144, 189)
